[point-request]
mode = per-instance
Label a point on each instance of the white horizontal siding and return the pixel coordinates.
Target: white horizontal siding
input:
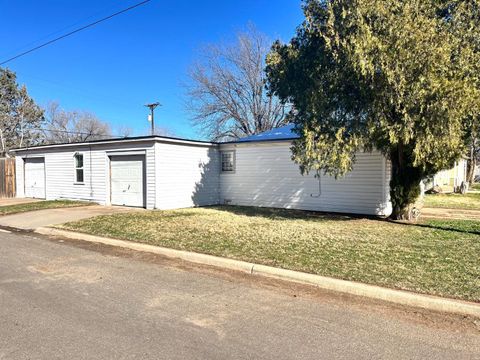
(60, 171)
(60, 176)
(186, 175)
(150, 177)
(19, 179)
(266, 176)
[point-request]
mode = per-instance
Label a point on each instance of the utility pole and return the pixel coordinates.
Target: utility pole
(151, 116)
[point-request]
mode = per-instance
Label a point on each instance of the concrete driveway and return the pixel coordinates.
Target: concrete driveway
(35, 219)
(17, 201)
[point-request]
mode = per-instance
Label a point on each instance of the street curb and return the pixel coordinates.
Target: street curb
(349, 287)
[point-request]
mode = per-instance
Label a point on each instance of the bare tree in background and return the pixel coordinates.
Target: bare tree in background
(124, 131)
(63, 126)
(227, 95)
(164, 131)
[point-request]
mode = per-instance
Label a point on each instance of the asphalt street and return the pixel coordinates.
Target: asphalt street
(61, 299)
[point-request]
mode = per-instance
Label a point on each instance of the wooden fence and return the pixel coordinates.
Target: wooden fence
(7, 178)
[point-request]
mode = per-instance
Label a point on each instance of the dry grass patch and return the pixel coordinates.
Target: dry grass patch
(475, 186)
(433, 257)
(469, 201)
(40, 205)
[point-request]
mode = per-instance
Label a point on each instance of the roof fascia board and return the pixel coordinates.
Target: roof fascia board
(120, 141)
(257, 141)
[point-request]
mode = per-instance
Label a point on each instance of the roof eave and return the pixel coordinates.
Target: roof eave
(124, 140)
(256, 141)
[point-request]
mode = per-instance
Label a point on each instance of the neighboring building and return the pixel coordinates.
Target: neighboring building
(449, 180)
(476, 176)
(166, 173)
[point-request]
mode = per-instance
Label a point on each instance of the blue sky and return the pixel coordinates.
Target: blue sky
(117, 66)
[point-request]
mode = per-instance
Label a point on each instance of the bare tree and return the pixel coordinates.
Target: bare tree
(63, 126)
(227, 96)
(164, 131)
(124, 131)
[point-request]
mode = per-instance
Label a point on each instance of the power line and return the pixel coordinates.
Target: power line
(74, 31)
(63, 29)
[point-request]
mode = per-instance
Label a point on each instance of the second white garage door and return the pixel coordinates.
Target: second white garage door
(127, 180)
(35, 178)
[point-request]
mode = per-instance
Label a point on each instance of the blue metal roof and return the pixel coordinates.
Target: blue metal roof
(281, 133)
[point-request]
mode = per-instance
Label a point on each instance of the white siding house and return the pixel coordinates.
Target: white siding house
(167, 173)
(264, 175)
(451, 179)
(186, 175)
(167, 179)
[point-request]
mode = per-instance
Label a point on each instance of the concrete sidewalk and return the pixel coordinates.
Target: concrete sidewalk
(17, 201)
(34, 219)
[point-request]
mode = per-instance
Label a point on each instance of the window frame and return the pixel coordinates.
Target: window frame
(222, 153)
(76, 169)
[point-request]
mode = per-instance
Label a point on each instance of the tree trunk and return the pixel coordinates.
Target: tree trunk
(21, 131)
(471, 164)
(404, 185)
(471, 171)
(2, 142)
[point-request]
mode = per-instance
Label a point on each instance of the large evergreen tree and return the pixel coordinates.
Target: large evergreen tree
(386, 74)
(20, 117)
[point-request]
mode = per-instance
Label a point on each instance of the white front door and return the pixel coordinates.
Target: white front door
(127, 180)
(35, 178)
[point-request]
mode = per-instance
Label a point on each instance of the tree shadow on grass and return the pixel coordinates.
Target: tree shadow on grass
(459, 226)
(284, 214)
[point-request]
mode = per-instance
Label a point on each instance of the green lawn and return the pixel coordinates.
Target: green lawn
(475, 186)
(469, 201)
(40, 205)
(434, 257)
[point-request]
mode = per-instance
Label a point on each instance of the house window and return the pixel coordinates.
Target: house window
(79, 168)
(228, 161)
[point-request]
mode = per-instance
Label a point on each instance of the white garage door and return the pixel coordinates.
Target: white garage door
(127, 180)
(35, 178)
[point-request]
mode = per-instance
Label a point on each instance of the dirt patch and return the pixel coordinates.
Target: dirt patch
(17, 201)
(213, 323)
(64, 269)
(445, 213)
